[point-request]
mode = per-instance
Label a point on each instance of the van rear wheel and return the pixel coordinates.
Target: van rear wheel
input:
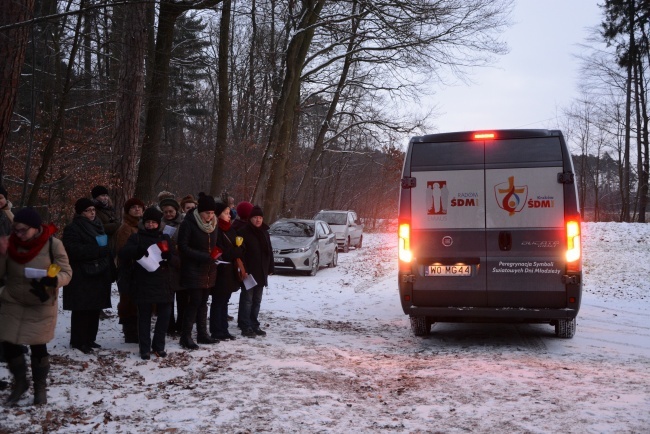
(420, 325)
(565, 328)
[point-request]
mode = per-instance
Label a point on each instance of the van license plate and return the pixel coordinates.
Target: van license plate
(448, 270)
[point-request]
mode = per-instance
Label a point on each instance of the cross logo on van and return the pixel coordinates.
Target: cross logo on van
(511, 197)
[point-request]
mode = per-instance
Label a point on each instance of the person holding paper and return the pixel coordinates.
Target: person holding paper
(171, 221)
(151, 287)
(89, 291)
(227, 274)
(197, 245)
(258, 260)
(29, 306)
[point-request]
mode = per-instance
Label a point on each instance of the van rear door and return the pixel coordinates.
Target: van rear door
(448, 224)
(525, 224)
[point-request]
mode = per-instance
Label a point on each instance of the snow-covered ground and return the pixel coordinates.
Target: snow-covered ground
(339, 357)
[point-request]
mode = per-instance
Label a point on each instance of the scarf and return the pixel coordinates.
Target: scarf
(260, 235)
(131, 220)
(29, 248)
(208, 227)
(90, 227)
(224, 225)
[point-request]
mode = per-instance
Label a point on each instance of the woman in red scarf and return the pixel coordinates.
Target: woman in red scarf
(227, 281)
(28, 303)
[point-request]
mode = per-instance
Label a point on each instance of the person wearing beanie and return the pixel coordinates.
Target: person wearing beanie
(258, 261)
(29, 307)
(94, 271)
(243, 213)
(127, 310)
(197, 239)
(227, 274)
(171, 221)
(106, 213)
(188, 203)
(151, 288)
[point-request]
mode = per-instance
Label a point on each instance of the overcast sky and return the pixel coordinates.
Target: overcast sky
(527, 87)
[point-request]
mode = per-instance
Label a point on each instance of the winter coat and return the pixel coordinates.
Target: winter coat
(126, 229)
(175, 268)
(198, 269)
(106, 214)
(226, 273)
(24, 319)
(148, 287)
(258, 253)
(85, 292)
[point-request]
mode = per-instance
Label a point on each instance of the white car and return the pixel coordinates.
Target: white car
(346, 225)
(302, 245)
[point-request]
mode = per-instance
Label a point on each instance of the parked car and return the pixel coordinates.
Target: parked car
(346, 225)
(303, 245)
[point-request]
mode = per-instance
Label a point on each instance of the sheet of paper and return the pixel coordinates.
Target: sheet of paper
(221, 262)
(34, 273)
(151, 262)
(249, 281)
(169, 230)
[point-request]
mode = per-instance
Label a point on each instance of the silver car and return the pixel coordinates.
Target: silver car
(303, 245)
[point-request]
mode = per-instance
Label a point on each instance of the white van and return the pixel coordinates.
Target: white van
(489, 230)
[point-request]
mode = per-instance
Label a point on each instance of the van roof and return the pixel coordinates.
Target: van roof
(464, 136)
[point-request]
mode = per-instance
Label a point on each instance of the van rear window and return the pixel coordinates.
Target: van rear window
(529, 150)
(445, 154)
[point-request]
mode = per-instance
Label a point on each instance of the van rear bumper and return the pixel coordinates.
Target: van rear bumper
(484, 314)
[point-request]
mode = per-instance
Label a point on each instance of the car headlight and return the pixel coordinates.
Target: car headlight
(300, 250)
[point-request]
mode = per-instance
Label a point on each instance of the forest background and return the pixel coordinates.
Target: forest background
(296, 105)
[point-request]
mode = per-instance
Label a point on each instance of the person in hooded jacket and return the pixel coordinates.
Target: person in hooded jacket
(258, 260)
(127, 310)
(93, 268)
(227, 275)
(150, 287)
(172, 218)
(197, 239)
(29, 306)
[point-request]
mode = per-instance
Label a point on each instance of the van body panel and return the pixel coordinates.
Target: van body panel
(498, 206)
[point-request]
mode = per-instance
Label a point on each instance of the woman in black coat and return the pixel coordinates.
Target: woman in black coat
(227, 281)
(197, 238)
(258, 260)
(150, 287)
(93, 272)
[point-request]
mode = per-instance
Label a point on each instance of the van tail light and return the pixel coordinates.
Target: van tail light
(484, 136)
(573, 248)
(404, 242)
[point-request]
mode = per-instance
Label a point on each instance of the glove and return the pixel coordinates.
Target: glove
(142, 251)
(50, 281)
(166, 255)
(38, 289)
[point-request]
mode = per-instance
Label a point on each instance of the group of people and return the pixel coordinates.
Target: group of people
(199, 248)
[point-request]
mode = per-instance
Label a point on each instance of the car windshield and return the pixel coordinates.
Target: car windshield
(292, 229)
(333, 218)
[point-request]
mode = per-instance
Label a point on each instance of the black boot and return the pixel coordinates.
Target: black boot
(40, 369)
(202, 335)
(19, 370)
(186, 340)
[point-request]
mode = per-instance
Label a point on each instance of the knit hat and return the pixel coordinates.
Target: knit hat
(82, 204)
(188, 199)
(152, 213)
(244, 210)
(255, 212)
(165, 195)
(220, 206)
(3, 191)
(132, 202)
(28, 216)
(206, 203)
(98, 190)
(169, 202)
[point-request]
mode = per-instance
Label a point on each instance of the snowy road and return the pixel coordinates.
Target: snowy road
(340, 357)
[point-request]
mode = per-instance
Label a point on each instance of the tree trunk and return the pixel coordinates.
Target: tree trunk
(130, 88)
(13, 44)
(270, 183)
(223, 112)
